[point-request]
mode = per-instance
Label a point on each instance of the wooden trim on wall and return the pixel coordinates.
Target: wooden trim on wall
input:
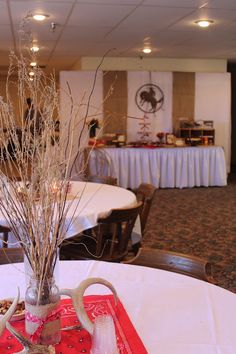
(115, 106)
(183, 97)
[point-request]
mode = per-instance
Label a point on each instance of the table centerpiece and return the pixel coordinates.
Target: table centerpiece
(36, 167)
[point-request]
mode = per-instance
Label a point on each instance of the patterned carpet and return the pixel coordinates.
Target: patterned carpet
(197, 221)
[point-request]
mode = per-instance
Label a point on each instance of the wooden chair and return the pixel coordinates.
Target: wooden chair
(11, 255)
(145, 193)
(175, 262)
(5, 231)
(111, 246)
(102, 179)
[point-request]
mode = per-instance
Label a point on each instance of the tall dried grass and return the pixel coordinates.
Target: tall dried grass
(36, 208)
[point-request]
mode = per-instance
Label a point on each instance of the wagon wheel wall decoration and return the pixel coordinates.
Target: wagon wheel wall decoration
(149, 98)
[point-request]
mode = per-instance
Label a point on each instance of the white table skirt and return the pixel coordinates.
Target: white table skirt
(172, 313)
(163, 167)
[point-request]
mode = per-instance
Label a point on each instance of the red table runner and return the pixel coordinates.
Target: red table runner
(79, 341)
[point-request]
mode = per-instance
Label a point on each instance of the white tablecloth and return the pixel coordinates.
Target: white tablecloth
(172, 313)
(94, 200)
(163, 167)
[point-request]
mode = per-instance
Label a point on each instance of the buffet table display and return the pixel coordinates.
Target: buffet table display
(169, 167)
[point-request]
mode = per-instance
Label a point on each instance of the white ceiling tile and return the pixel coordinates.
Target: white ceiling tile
(110, 2)
(68, 48)
(78, 33)
(223, 4)
(4, 18)
(5, 33)
(103, 48)
(221, 18)
(151, 17)
(93, 15)
(179, 3)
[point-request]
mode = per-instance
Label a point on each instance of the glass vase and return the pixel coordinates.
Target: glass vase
(42, 306)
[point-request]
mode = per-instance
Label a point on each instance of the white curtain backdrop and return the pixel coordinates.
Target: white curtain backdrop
(212, 102)
(78, 85)
(162, 119)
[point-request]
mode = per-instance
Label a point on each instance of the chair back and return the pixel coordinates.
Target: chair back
(97, 161)
(11, 255)
(5, 231)
(121, 223)
(108, 241)
(145, 193)
(102, 179)
(193, 266)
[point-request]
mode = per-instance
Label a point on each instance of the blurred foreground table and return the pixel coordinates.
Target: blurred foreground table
(172, 313)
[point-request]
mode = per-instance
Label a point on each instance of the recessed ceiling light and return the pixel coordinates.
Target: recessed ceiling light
(31, 73)
(33, 63)
(204, 23)
(40, 17)
(147, 50)
(34, 49)
(31, 79)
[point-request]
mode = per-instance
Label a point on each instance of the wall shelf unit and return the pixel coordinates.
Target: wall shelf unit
(203, 133)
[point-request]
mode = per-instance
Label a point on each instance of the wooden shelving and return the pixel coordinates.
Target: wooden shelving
(203, 133)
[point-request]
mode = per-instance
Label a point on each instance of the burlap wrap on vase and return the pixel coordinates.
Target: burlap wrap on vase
(51, 331)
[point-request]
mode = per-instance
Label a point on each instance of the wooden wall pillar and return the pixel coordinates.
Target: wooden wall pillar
(115, 105)
(183, 97)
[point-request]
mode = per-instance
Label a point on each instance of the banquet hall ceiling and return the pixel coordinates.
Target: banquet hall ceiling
(91, 27)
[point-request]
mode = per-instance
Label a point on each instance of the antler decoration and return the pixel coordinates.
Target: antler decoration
(77, 299)
(29, 347)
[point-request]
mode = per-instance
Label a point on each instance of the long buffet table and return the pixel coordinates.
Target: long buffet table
(163, 167)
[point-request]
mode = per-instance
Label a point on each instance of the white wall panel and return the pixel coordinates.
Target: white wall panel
(78, 86)
(212, 102)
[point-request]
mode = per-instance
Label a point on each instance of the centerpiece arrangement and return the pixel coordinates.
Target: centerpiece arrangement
(36, 167)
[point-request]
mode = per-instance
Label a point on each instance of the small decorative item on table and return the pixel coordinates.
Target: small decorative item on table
(179, 142)
(170, 139)
(104, 336)
(161, 136)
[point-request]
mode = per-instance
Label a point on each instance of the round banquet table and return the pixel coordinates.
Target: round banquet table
(93, 200)
(172, 313)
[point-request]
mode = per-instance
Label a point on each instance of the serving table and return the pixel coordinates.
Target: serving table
(168, 167)
(172, 313)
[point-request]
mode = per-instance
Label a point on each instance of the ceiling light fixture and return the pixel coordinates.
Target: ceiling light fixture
(34, 49)
(33, 63)
(31, 73)
(204, 23)
(40, 17)
(147, 50)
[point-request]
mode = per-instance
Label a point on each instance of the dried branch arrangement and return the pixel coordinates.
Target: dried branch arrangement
(35, 165)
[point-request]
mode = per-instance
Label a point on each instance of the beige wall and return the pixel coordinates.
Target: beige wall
(152, 64)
